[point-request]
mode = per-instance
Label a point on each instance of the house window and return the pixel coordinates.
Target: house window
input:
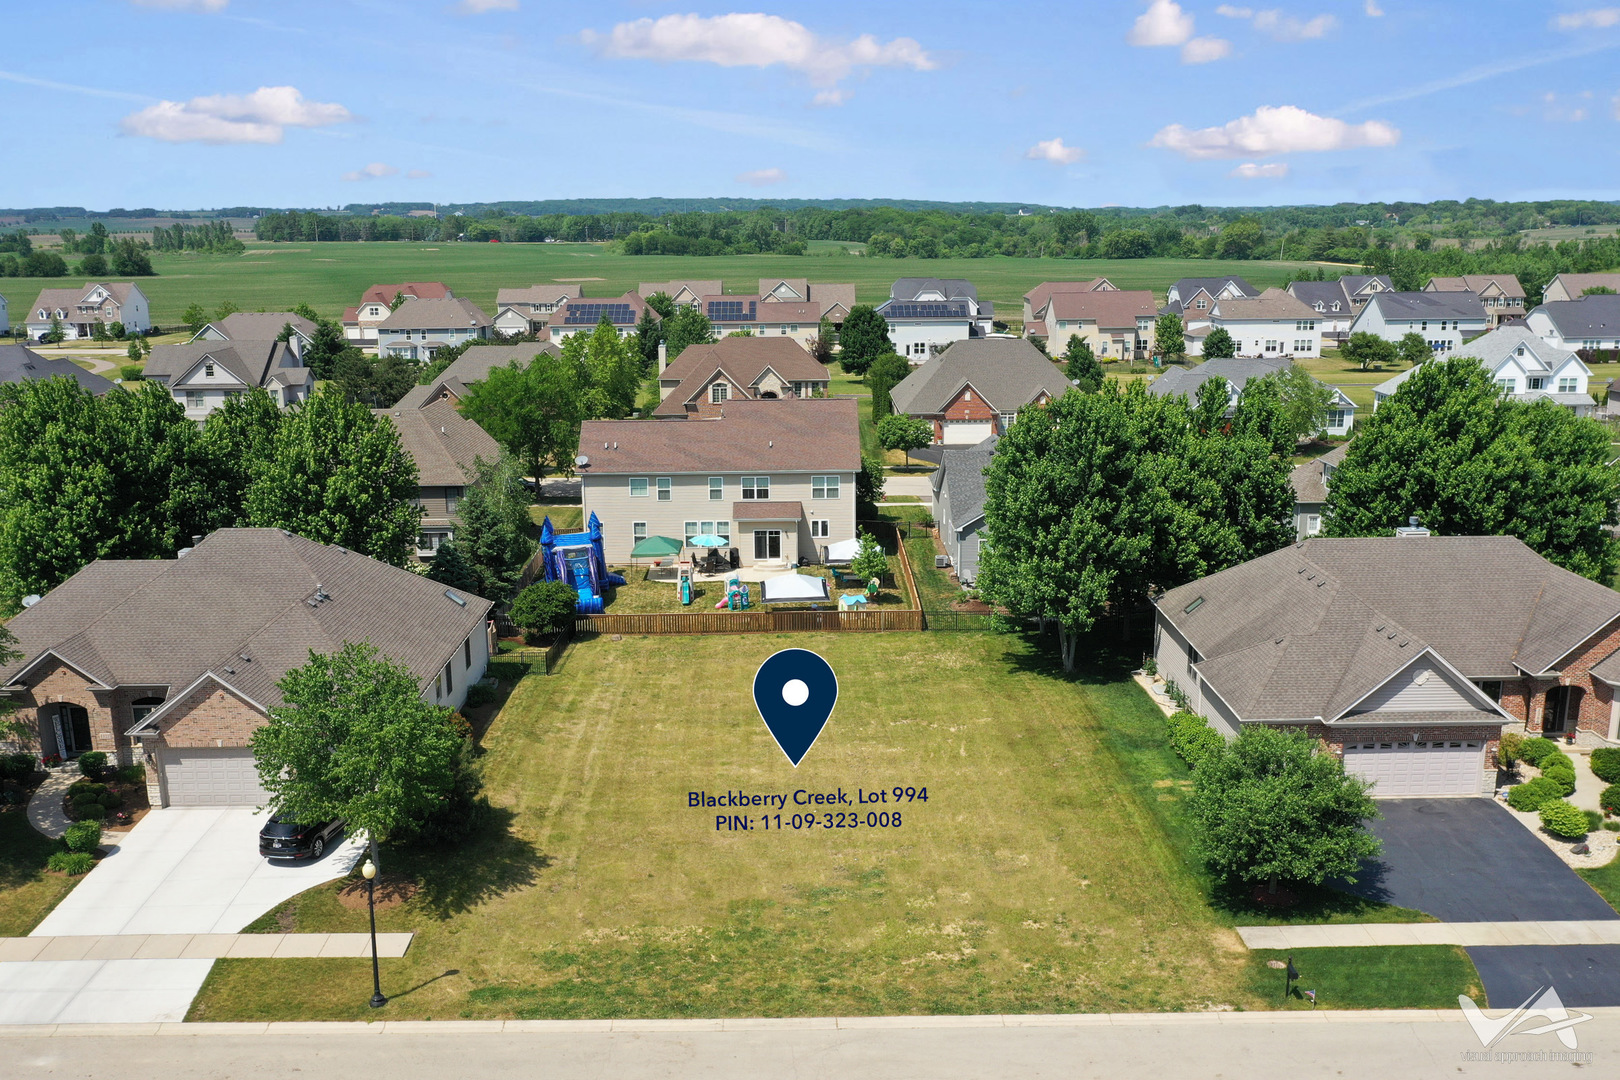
(1303, 345)
(232, 395)
(819, 528)
(756, 487)
(638, 532)
(1201, 303)
(427, 543)
(717, 488)
(1505, 384)
(967, 395)
(438, 687)
(824, 487)
(1305, 324)
(194, 399)
(449, 686)
(638, 487)
(1492, 689)
(1007, 419)
(1534, 383)
(1313, 524)
(1567, 386)
(718, 393)
(466, 653)
(665, 489)
(1337, 418)
(1271, 345)
(689, 529)
(208, 371)
(793, 328)
(452, 499)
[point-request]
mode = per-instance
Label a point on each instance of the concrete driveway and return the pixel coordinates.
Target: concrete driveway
(182, 870)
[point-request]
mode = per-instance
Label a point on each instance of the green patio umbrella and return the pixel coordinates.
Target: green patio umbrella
(656, 547)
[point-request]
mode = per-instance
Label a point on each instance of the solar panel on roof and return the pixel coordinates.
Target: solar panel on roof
(929, 310)
(591, 314)
(733, 311)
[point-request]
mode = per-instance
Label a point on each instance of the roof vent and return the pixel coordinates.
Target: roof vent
(457, 599)
(245, 658)
(31, 599)
(1413, 527)
(1194, 606)
(230, 671)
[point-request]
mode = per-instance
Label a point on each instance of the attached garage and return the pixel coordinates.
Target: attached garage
(206, 776)
(966, 432)
(1400, 769)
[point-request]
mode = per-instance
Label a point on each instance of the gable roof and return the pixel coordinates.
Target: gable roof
(69, 298)
(536, 294)
(1008, 373)
(1405, 306)
(784, 435)
(258, 325)
(962, 471)
(585, 312)
(1476, 284)
(18, 363)
(1273, 304)
(252, 362)
(800, 286)
(1037, 297)
(1111, 308)
(1236, 370)
(444, 444)
(910, 288)
(1576, 284)
(1309, 479)
(696, 287)
(472, 366)
(420, 290)
(1309, 630)
(747, 358)
(1356, 283)
(1326, 293)
(1187, 288)
(1595, 316)
(161, 622)
(435, 314)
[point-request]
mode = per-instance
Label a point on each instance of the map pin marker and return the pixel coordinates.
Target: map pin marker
(795, 691)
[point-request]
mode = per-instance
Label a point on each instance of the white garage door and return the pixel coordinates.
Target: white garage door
(209, 777)
(967, 432)
(1452, 767)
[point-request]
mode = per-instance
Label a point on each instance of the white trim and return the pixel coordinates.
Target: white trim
(1428, 650)
(95, 682)
(147, 721)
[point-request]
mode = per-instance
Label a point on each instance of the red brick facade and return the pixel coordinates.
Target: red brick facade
(210, 716)
(969, 405)
(1526, 699)
(1335, 738)
(109, 712)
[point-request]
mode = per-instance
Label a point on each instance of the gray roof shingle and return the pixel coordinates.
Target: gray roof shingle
(962, 471)
(1596, 316)
(18, 363)
(1008, 373)
(472, 366)
(445, 445)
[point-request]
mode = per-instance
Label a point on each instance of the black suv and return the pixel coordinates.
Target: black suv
(283, 838)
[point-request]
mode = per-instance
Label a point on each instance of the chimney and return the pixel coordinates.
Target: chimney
(663, 357)
(1412, 528)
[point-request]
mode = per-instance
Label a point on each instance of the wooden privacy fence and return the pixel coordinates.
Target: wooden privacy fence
(750, 622)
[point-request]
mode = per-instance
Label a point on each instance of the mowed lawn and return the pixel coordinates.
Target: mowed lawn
(27, 891)
(1037, 877)
(331, 276)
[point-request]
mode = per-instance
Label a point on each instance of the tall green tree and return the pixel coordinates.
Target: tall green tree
(1448, 447)
(534, 411)
(353, 739)
(450, 567)
(1368, 350)
(662, 303)
(194, 317)
(649, 335)
(614, 368)
(1081, 366)
(897, 431)
(864, 338)
(1273, 806)
(688, 326)
(493, 535)
(237, 440)
(337, 474)
(375, 381)
(1413, 349)
(1305, 402)
(1218, 344)
(886, 372)
(826, 339)
(1169, 337)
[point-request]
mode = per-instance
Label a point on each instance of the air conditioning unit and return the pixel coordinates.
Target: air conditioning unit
(941, 561)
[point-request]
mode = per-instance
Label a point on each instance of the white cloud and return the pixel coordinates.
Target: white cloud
(1287, 28)
(183, 5)
(1272, 130)
(1202, 50)
(758, 40)
(1054, 151)
(1275, 170)
(478, 7)
(830, 97)
(1235, 12)
(418, 174)
(259, 117)
(1163, 23)
(762, 177)
(1373, 10)
(375, 171)
(1591, 19)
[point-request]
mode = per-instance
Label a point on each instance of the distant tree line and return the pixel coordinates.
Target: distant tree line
(123, 257)
(212, 237)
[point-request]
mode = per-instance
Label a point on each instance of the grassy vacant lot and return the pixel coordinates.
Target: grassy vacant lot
(27, 892)
(332, 276)
(1038, 876)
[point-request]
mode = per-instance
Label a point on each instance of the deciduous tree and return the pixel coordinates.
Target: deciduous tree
(534, 411)
(1081, 366)
(1413, 350)
(1169, 338)
(898, 431)
(1368, 350)
(1218, 344)
(865, 337)
(688, 326)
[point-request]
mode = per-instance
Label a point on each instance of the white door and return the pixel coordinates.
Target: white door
(204, 776)
(967, 432)
(1402, 769)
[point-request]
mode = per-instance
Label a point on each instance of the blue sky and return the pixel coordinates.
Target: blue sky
(199, 103)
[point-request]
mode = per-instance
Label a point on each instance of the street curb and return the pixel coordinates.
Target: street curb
(753, 1024)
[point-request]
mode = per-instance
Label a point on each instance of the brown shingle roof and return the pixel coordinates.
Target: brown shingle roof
(1308, 479)
(1113, 309)
(1037, 297)
(241, 592)
(1477, 283)
(472, 366)
(536, 294)
(421, 290)
(766, 511)
(785, 435)
(670, 288)
(261, 325)
(1272, 304)
(444, 444)
(1008, 373)
(747, 358)
(445, 314)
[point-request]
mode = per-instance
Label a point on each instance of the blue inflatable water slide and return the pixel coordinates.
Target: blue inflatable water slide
(576, 558)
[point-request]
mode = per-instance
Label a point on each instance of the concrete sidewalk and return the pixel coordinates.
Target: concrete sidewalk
(198, 946)
(1360, 935)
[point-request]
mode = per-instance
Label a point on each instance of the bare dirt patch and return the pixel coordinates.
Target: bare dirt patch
(392, 891)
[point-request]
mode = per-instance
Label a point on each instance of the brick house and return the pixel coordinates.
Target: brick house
(174, 662)
(975, 389)
(1406, 655)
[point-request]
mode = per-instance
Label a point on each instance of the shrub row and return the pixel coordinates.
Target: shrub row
(1530, 796)
(1191, 737)
(1606, 764)
(1610, 799)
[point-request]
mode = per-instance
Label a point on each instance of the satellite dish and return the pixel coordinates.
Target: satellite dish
(31, 599)
(582, 460)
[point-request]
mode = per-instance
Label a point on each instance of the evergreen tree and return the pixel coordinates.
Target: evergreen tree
(865, 337)
(1081, 365)
(886, 372)
(493, 538)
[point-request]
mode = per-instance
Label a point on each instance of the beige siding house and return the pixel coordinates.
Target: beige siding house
(446, 448)
(777, 478)
(704, 377)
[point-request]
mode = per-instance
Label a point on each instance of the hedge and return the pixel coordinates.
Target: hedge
(1191, 737)
(1606, 764)
(1610, 799)
(1535, 749)
(1563, 819)
(1531, 795)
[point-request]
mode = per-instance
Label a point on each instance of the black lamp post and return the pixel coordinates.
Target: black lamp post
(370, 873)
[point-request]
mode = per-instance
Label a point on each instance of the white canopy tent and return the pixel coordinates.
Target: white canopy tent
(794, 589)
(843, 551)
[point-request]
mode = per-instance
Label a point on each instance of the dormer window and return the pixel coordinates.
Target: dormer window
(718, 393)
(1519, 351)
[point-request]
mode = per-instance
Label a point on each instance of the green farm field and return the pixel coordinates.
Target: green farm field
(330, 277)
